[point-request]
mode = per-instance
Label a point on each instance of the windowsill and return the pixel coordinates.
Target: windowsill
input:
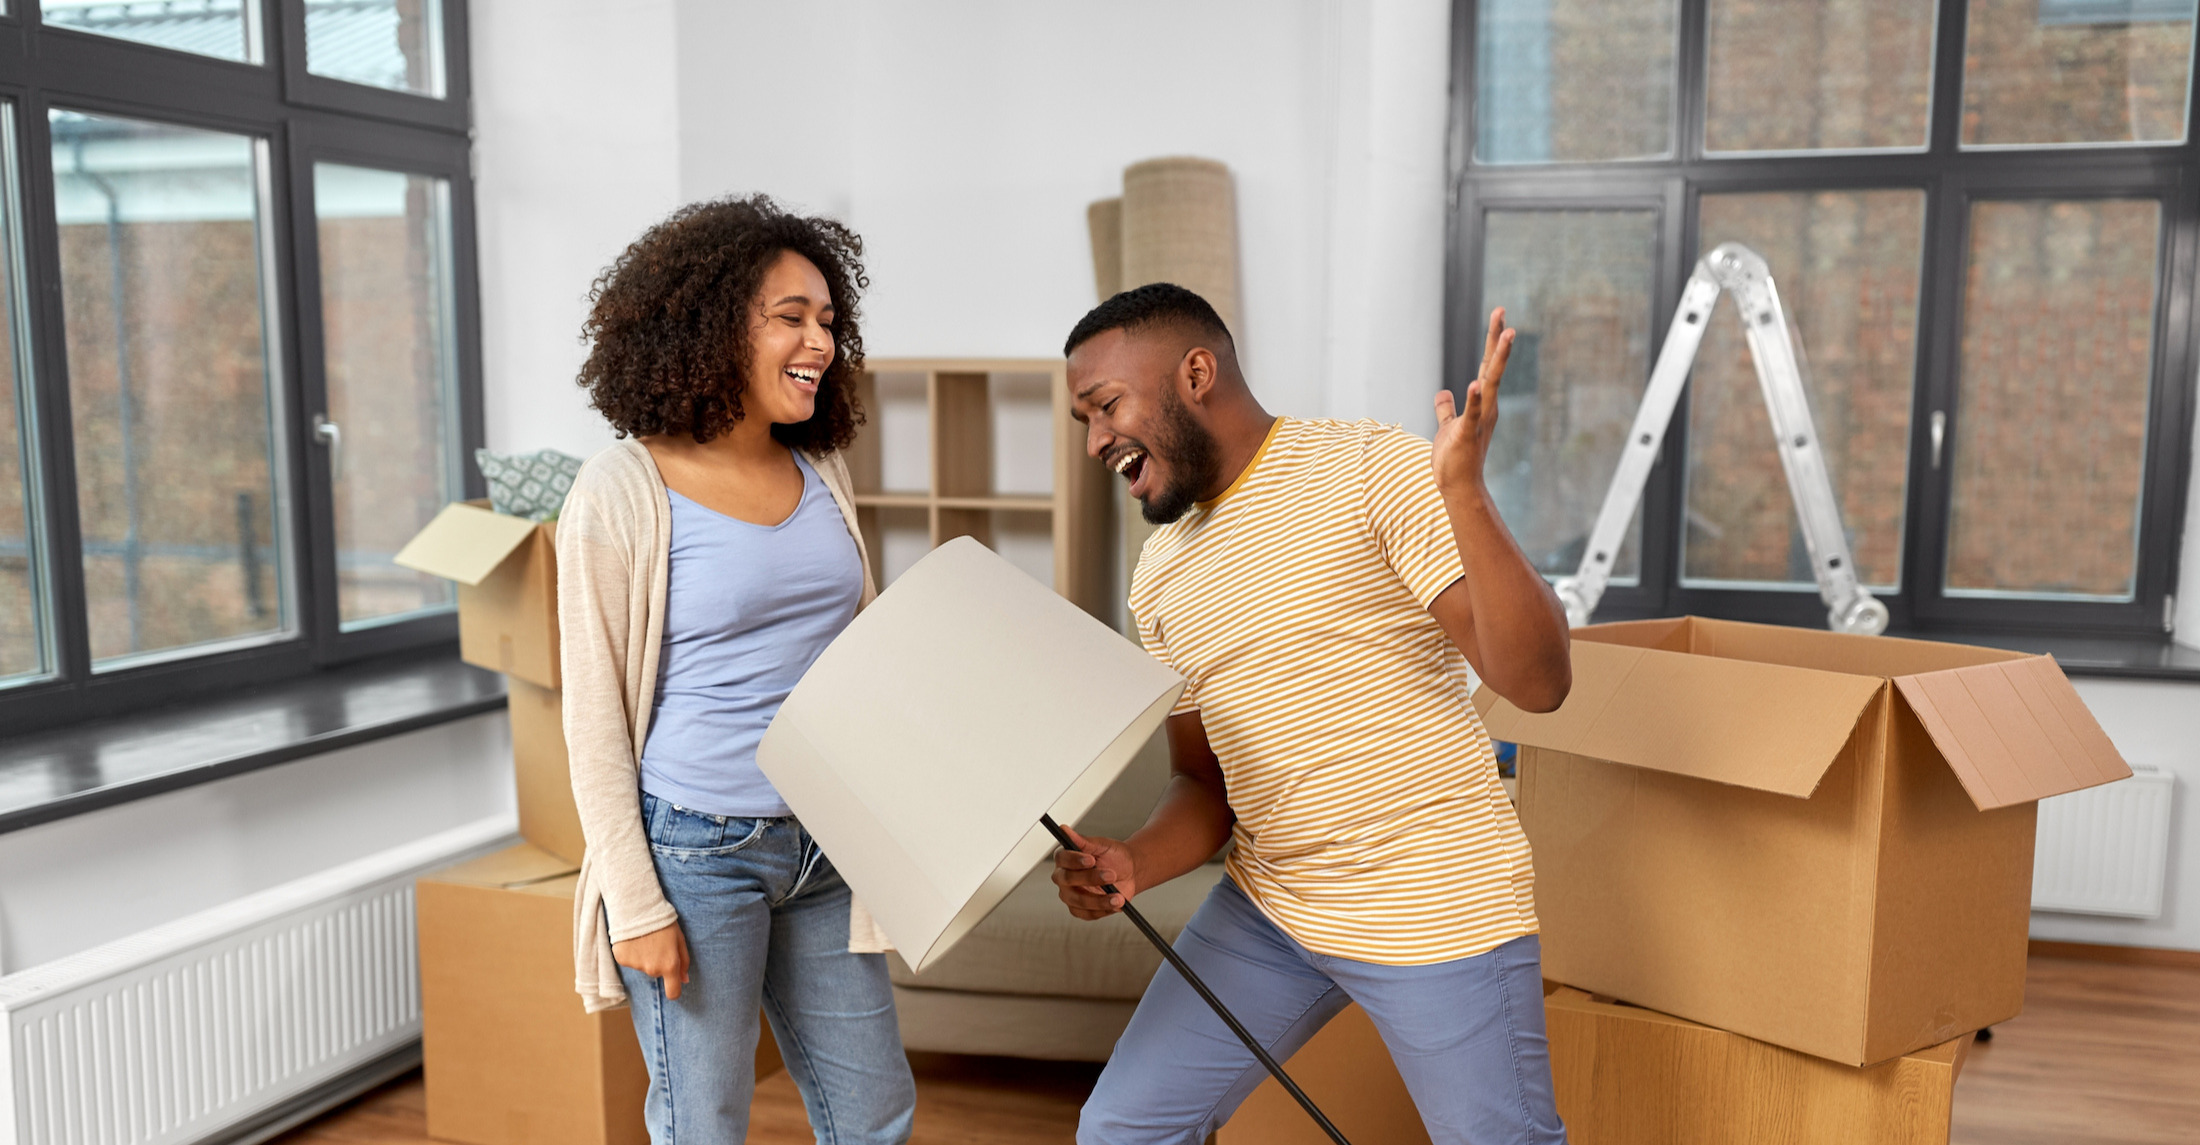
(2131, 657)
(62, 772)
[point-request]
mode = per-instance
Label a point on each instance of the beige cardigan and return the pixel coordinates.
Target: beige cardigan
(614, 537)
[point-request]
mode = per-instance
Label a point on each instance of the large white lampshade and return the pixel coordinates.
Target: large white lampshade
(923, 746)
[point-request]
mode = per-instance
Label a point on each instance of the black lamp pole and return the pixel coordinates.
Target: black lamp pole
(1221, 1011)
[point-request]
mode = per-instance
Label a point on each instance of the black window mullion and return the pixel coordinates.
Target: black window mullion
(466, 314)
(1664, 490)
(315, 515)
(1939, 346)
(64, 546)
(1691, 62)
(1947, 110)
(2165, 482)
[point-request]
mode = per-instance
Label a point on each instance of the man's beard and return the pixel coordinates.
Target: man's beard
(1193, 457)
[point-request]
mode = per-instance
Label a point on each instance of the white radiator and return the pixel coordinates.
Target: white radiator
(2105, 850)
(200, 1029)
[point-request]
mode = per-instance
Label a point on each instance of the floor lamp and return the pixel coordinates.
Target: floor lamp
(933, 746)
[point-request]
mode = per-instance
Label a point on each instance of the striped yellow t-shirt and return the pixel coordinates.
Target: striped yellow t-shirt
(1370, 821)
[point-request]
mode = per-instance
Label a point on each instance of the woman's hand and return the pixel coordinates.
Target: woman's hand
(661, 954)
(1081, 873)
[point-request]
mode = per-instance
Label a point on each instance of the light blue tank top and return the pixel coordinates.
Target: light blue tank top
(748, 608)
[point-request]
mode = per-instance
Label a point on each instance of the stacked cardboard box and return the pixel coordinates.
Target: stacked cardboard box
(1788, 873)
(1816, 840)
(1628, 1076)
(511, 1058)
(506, 569)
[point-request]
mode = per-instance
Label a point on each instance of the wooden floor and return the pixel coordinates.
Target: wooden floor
(2104, 1055)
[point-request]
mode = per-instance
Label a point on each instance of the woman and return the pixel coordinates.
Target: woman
(703, 563)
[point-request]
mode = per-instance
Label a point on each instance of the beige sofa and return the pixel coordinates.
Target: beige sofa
(1033, 982)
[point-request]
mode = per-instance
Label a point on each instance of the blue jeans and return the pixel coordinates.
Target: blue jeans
(766, 920)
(1467, 1035)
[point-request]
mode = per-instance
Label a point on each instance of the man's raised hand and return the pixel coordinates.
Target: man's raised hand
(1463, 437)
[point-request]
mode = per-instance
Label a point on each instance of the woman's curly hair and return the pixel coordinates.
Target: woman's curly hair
(669, 322)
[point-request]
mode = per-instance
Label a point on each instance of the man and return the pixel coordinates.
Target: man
(1323, 586)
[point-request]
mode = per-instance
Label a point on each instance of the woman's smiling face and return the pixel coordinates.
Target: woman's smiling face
(790, 342)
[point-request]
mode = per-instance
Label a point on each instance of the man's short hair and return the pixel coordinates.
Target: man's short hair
(1145, 307)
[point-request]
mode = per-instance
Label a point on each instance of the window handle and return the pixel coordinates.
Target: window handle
(331, 436)
(1940, 434)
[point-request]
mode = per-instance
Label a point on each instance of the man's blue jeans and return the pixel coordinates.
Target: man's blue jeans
(1467, 1035)
(766, 919)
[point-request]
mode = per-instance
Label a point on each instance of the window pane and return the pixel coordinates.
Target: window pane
(386, 321)
(1847, 266)
(169, 388)
(2050, 422)
(1577, 286)
(224, 29)
(397, 44)
(2076, 71)
(1573, 80)
(1825, 74)
(24, 646)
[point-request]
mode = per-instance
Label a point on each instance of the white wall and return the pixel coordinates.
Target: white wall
(973, 135)
(78, 882)
(963, 139)
(576, 151)
(2158, 723)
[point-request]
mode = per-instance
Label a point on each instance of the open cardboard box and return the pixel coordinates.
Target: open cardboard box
(1817, 840)
(511, 1057)
(507, 573)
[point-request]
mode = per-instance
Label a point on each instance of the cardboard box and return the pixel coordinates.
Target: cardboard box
(1626, 1076)
(512, 1059)
(1817, 840)
(1346, 1070)
(507, 574)
(542, 772)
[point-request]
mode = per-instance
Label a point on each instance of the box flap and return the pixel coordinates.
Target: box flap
(1886, 656)
(2013, 732)
(464, 543)
(1672, 634)
(1761, 726)
(517, 866)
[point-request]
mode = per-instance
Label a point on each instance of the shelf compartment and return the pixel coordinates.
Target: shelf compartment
(892, 451)
(895, 537)
(962, 435)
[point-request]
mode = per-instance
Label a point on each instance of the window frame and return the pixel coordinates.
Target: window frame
(42, 68)
(1952, 178)
(381, 147)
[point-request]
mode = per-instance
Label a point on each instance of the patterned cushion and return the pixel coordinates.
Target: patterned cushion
(530, 485)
